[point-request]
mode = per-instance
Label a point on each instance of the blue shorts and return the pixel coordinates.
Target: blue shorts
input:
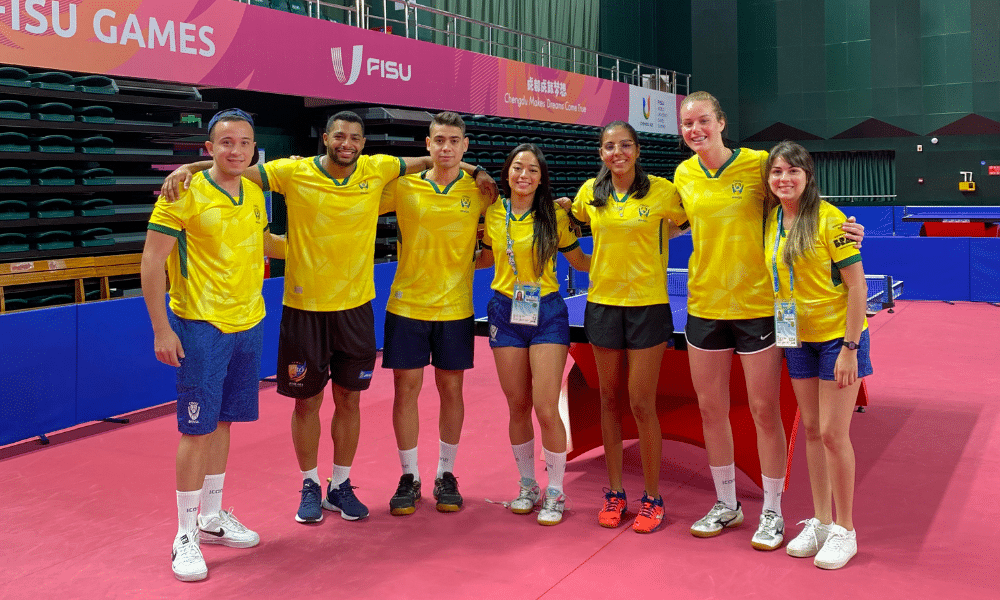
(818, 359)
(414, 344)
(552, 328)
(219, 376)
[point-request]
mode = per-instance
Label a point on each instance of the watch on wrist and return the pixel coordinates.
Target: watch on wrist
(850, 345)
(477, 171)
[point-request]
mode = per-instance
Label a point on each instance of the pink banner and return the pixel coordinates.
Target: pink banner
(228, 44)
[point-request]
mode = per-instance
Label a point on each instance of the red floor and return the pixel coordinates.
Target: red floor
(94, 517)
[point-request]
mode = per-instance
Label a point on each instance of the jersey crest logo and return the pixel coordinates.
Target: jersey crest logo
(256, 214)
(737, 187)
(363, 185)
(643, 211)
(338, 65)
(297, 371)
(466, 202)
(193, 412)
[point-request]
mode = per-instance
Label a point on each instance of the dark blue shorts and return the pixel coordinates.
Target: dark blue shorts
(414, 344)
(818, 359)
(552, 328)
(219, 376)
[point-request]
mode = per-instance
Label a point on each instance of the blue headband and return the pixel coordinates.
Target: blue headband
(230, 113)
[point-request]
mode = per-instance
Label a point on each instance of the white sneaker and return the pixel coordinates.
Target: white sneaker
(552, 508)
(809, 540)
(186, 558)
(526, 499)
(770, 532)
(717, 519)
(224, 529)
(840, 547)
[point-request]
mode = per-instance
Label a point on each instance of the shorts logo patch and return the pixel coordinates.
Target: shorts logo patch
(493, 333)
(365, 374)
(193, 412)
(297, 371)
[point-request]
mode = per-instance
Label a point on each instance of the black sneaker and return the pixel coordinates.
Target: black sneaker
(446, 493)
(404, 501)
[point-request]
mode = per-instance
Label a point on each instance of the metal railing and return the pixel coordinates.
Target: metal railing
(502, 42)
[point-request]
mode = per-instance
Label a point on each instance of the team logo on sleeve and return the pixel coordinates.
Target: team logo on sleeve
(842, 241)
(297, 371)
(194, 411)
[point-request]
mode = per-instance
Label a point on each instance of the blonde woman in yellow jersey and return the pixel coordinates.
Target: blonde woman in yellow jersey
(813, 265)
(529, 322)
(730, 308)
(628, 316)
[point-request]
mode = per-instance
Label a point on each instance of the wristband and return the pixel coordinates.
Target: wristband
(477, 171)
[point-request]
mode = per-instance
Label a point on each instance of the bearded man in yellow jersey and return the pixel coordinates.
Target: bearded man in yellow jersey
(212, 239)
(429, 317)
(327, 323)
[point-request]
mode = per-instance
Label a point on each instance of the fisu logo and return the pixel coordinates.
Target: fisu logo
(386, 69)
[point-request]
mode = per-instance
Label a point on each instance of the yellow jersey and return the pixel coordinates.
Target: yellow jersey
(628, 266)
(727, 278)
(522, 233)
(436, 247)
(331, 229)
(820, 294)
(217, 266)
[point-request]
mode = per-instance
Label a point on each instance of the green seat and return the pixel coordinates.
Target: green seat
(53, 111)
(96, 144)
(52, 80)
(53, 176)
(15, 303)
(53, 239)
(13, 210)
(94, 113)
(52, 208)
(96, 176)
(50, 300)
(264, 3)
(297, 7)
(95, 84)
(14, 77)
(14, 141)
(14, 109)
(54, 143)
(94, 207)
(280, 5)
(13, 241)
(91, 238)
(14, 176)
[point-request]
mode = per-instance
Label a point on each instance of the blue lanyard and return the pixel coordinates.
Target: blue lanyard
(774, 258)
(510, 241)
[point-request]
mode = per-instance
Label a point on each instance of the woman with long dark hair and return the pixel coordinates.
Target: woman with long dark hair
(529, 323)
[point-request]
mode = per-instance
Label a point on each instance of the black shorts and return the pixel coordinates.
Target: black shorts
(746, 336)
(316, 347)
(632, 327)
(414, 344)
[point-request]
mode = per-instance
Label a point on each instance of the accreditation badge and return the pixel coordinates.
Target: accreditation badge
(786, 328)
(527, 299)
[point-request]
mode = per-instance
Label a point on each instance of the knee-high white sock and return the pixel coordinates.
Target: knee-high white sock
(340, 475)
(524, 456)
(408, 461)
(187, 511)
(211, 495)
(725, 484)
(555, 465)
(772, 493)
(446, 458)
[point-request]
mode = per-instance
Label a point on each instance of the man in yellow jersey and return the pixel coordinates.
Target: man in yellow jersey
(429, 317)
(212, 240)
(327, 324)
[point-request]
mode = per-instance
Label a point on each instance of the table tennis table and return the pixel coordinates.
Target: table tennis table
(955, 221)
(677, 403)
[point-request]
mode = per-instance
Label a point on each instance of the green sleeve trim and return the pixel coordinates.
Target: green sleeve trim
(174, 233)
(182, 249)
(402, 167)
(486, 246)
(263, 179)
(850, 260)
(571, 247)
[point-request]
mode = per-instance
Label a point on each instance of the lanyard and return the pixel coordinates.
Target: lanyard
(774, 258)
(510, 242)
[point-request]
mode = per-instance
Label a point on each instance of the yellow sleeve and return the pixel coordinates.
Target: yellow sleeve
(583, 198)
(842, 250)
(567, 238)
(172, 216)
(274, 174)
(388, 201)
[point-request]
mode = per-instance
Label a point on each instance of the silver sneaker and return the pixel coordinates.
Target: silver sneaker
(717, 519)
(224, 529)
(841, 546)
(552, 508)
(810, 539)
(186, 559)
(526, 499)
(770, 532)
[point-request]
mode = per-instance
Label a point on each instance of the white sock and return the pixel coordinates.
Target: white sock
(211, 495)
(446, 458)
(524, 456)
(408, 460)
(340, 475)
(187, 511)
(311, 474)
(725, 484)
(555, 464)
(772, 493)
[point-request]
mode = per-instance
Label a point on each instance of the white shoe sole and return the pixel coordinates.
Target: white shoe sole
(207, 538)
(343, 515)
(834, 565)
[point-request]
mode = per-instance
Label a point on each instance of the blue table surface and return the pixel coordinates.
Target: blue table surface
(971, 214)
(577, 304)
